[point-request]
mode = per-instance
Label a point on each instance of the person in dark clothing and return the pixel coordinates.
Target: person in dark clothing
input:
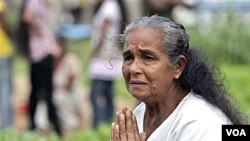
(42, 49)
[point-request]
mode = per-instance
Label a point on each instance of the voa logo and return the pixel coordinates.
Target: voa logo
(236, 132)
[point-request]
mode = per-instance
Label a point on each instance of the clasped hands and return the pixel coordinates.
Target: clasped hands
(125, 128)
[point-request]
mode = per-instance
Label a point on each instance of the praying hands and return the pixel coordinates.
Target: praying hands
(125, 128)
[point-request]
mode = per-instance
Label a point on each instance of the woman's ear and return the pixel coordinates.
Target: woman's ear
(179, 66)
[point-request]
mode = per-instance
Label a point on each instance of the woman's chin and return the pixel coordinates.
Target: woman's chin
(139, 96)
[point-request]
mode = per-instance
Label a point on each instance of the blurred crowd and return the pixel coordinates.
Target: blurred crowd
(54, 102)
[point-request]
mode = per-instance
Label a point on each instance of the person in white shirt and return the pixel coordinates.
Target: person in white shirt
(107, 23)
(181, 97)
(67, 93)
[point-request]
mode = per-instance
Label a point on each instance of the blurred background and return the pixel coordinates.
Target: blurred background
(219, 27)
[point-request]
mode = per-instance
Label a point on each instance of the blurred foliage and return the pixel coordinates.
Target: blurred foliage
(225, 38)
(102, 134)
(237, 83)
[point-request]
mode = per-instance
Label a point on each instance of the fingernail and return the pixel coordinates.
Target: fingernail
(117, 127)
(118, 112)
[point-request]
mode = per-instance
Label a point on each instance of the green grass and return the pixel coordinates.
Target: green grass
(238, 84)
(102, 134)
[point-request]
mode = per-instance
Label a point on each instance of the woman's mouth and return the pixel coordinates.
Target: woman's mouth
(137, 84)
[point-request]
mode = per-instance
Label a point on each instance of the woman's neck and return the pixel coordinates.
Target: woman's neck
(156, 113)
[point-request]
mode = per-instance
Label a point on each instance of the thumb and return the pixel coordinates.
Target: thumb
(143, 136)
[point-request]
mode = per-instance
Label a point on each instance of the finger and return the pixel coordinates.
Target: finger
(121, 122)
(134, 122)
(124, 110)
(122, 127)
(117, 116)
(135, 128)
(115, 132)
(112, 130)
(129, 125)
(143, 136)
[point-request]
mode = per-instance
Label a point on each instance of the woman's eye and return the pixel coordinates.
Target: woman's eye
(127, 57)
(148, 57)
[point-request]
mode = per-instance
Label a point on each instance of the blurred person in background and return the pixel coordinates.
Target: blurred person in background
(103, 68)
(21, 36)
(75, 8)
(68, 89)
(42, 50)
(6, 54)
(161, 7)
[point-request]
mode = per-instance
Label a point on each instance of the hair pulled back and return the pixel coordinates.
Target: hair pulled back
(197, 76)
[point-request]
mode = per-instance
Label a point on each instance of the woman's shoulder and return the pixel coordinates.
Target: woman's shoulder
(196, 108)
(197, 119)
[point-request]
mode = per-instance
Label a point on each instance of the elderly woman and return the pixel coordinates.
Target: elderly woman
(181, 97)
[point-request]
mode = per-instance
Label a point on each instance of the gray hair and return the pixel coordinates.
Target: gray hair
(197, 75)
(176, 41)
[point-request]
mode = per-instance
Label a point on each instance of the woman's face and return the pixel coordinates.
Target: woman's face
(146, 69)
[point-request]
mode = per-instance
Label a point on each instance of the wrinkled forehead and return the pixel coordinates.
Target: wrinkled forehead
(144, 36)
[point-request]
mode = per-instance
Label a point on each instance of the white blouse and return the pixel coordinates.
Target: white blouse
(193, 120)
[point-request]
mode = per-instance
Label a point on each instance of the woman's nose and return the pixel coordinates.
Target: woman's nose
(135, 67)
